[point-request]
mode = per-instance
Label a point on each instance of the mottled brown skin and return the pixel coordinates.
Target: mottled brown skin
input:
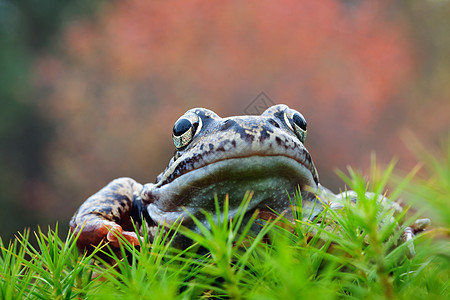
(110, 208)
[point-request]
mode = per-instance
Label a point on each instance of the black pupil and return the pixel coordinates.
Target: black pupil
(181, 126)
(300, 121)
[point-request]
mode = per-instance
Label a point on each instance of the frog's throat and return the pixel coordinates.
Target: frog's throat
(272, 178)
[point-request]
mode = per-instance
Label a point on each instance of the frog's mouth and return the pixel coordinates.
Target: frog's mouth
(273, 179)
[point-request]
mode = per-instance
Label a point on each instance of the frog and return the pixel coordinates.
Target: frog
(216, 158)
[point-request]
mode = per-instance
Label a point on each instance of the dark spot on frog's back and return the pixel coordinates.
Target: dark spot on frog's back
(278, 140)
(227, 124)
(244, 134)
(308, 159)
(112, 198)
(265, 133)
(222, 145)
(115, 187)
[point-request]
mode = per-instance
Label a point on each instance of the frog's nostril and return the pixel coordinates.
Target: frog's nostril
(274, 123)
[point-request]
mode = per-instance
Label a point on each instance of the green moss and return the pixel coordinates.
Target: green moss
(352, 253)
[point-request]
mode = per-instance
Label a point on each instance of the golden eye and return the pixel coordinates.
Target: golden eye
(296, 122)
(184, 129)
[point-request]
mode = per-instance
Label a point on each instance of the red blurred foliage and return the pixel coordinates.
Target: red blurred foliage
(124, 78)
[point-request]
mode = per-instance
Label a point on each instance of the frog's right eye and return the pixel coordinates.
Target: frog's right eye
(185, 129)
(296, 122)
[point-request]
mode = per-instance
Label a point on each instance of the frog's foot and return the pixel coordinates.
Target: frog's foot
(96, 232)
(410, 231)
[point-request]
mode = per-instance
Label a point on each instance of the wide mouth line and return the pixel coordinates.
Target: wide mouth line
(170, 178)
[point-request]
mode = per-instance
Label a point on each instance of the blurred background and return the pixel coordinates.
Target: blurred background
(89, 90)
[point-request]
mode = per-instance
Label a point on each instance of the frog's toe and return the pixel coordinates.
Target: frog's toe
(409, 233)
(407, 236)
(115, 234)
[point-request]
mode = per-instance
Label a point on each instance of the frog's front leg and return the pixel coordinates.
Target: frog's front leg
(107, 213)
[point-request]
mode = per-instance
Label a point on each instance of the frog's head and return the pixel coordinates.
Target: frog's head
(220, 156)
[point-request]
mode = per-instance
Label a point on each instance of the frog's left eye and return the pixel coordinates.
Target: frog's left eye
(296, 122)
(185, 129)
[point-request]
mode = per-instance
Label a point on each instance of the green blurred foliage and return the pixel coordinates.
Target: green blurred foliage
(27, 29)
